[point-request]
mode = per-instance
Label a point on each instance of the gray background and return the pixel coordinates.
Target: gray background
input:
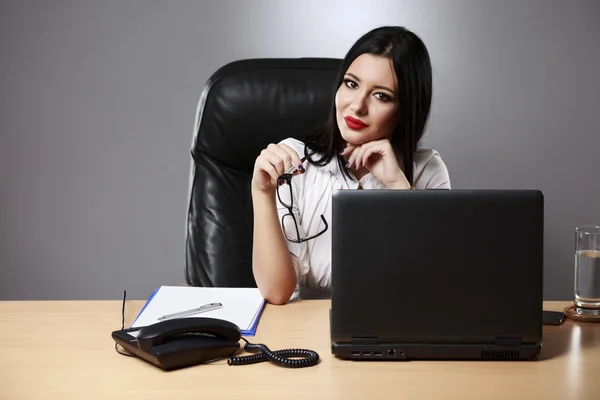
(97, 101)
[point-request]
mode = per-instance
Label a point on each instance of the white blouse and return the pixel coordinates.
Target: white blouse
(312, 193)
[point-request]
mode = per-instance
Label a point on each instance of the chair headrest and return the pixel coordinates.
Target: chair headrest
(248, 104)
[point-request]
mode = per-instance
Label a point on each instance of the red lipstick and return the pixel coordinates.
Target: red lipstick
(354, 124)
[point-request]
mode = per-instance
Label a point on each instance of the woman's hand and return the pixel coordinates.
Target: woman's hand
(378, 157)
(272, 162)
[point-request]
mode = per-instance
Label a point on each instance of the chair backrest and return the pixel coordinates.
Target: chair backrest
(244, 106)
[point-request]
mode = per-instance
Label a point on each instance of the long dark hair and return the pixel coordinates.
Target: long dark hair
(413, 71)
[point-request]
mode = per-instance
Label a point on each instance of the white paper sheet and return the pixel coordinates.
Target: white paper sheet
(240, 305)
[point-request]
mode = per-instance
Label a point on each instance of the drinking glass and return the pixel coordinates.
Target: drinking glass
(587, 270)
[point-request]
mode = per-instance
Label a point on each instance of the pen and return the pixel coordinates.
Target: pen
(204, 308)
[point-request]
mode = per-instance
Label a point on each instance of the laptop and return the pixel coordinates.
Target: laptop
(437, 274)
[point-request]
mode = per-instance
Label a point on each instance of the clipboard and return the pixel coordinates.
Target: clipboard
(241, 306)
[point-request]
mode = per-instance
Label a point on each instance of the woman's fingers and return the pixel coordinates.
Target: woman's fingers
(273, 162)
(372, 148)
(294, 157)
(367, 154)
(347, 150)
(263, 164)
(359, 156)
(280, 158)
(355, 157)
(352, 157)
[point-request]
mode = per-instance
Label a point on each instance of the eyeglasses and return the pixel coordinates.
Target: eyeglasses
(288, 221)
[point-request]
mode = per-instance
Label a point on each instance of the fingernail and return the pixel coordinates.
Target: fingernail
(300, 168)
(347, 164)
(341, 152)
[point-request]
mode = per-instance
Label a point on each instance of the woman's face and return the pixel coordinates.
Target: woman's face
(366, 100)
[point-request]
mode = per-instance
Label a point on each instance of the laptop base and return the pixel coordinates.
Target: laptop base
(432, 351)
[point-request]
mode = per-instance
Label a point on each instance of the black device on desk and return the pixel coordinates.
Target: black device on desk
(442, 274)
(182, 342)
(552, 317)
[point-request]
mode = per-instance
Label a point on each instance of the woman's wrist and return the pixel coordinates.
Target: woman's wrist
(263, 193)
(400, 184)
(263, 198)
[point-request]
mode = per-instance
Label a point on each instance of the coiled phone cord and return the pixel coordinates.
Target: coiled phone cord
(289, 358)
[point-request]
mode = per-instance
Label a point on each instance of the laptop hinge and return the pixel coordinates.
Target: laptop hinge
(509, 341)
(364, 340)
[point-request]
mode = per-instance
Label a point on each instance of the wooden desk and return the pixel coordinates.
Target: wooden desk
(63, 350)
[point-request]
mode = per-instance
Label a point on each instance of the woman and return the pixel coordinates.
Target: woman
(370, 141)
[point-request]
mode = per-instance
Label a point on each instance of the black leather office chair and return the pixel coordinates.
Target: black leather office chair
(244, 106)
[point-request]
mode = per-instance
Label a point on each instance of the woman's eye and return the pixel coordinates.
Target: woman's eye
(350, 84)
(383, 97)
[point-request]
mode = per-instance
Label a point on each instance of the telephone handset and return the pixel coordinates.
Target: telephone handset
(181, 342)
(159, 333)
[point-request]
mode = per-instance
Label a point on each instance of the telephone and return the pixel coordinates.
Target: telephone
(183, 342)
